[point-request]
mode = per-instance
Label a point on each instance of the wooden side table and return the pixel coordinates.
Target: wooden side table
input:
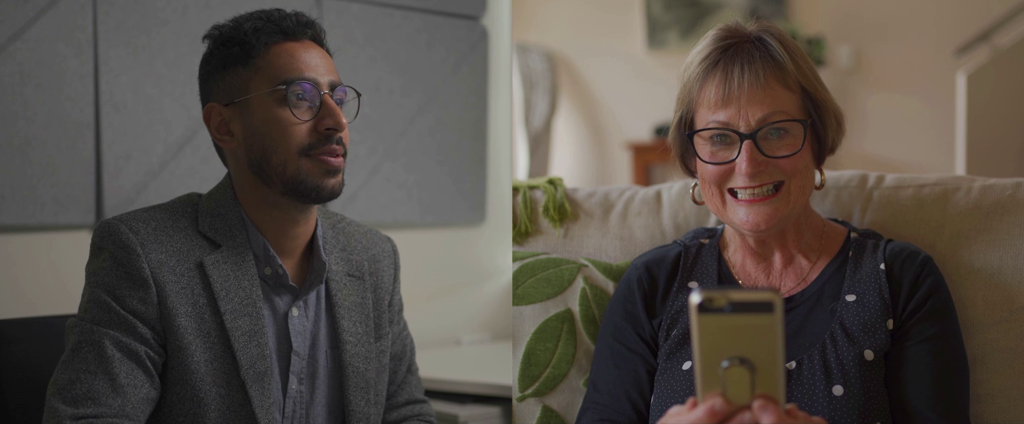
(653, 162)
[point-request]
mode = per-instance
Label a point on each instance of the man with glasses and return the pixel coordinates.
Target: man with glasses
(248, 303)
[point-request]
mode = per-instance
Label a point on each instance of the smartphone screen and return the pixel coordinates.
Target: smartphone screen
(738, 344)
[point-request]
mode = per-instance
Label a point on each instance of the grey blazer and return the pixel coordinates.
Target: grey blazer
(170, 327)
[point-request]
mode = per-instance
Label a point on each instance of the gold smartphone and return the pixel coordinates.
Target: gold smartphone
(738, 344)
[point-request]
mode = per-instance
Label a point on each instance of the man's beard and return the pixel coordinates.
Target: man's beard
(272, 171)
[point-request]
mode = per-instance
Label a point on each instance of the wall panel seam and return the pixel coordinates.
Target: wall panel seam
(96, 112)
(26, 26)
(418, 10)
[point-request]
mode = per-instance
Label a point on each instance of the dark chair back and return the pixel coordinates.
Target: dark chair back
(30, 349)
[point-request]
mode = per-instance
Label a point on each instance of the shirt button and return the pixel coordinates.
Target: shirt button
(295, 311)
(280, 270)
(267, 270)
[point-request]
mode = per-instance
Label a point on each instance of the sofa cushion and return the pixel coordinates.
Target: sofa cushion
(619, 222)
(972, 227)
(558, 304)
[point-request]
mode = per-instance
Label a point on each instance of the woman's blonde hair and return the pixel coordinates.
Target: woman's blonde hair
(736, 58)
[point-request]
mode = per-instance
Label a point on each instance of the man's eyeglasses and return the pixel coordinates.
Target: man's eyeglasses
(777, 140)
(304, 99)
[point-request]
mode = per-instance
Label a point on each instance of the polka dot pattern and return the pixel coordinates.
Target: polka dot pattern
(674, 378)
(837, 379)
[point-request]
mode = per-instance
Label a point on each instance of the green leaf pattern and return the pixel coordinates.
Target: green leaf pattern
(548, 415)
(613, 272)
(551, 348)
(518, 255)
(592, 304)
(548, 355)
(542, 279)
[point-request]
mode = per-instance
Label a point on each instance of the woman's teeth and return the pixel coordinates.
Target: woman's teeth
(756, 192)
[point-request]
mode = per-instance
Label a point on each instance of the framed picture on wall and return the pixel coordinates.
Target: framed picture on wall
(678, 24)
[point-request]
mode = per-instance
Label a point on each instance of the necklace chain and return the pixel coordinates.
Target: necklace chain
(791, 289)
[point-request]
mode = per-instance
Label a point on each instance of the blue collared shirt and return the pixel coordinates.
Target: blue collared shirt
(304, 353)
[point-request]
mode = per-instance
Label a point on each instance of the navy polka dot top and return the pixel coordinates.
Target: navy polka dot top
(842, 376)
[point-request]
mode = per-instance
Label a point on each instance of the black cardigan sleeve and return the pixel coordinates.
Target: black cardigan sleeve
(621, 380)
(926, 372)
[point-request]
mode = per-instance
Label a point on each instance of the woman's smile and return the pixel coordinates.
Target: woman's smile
(754, 194)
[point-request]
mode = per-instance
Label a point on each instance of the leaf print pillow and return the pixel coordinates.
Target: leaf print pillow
(558, 304)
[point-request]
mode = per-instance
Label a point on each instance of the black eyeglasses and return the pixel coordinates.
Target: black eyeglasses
(305, 98)
(776, 140)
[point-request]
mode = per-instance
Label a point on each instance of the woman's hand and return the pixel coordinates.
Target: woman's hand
(767, 411)
(714, 409)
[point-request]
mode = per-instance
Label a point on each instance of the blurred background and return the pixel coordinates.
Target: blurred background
(928, 87)
(100, 115)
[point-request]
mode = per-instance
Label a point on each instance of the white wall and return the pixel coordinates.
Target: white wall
(994, 128)
(43, 272)
(899, 99)
(611, 89)
(456, 280)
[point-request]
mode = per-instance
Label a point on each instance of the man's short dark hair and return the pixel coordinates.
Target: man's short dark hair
(233, 45)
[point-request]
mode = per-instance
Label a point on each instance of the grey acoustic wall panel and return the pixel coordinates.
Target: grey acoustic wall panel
(418, 150)
(154, 145)
(468, 8)
(47, 114)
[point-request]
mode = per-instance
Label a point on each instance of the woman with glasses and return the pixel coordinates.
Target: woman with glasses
(871, 330)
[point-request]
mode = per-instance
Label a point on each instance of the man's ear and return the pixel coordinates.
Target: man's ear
(218, 120)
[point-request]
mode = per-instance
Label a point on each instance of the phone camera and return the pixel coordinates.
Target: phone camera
(715, 303)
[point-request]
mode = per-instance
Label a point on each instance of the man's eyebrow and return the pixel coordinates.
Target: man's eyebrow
(331, 85)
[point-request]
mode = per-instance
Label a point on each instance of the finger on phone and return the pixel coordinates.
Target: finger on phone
(713, 409)
(791, 408)
(743, 416)
(767, 411)
(674, 414)
(691, 402)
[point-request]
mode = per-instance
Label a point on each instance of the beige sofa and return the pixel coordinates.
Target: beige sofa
(973, 227)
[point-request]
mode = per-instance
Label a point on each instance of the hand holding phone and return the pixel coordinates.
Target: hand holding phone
(766, 410)
(714, 409)
(738, 344)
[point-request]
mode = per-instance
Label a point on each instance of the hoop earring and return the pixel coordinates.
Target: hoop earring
(693, 196)
(822, 185)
